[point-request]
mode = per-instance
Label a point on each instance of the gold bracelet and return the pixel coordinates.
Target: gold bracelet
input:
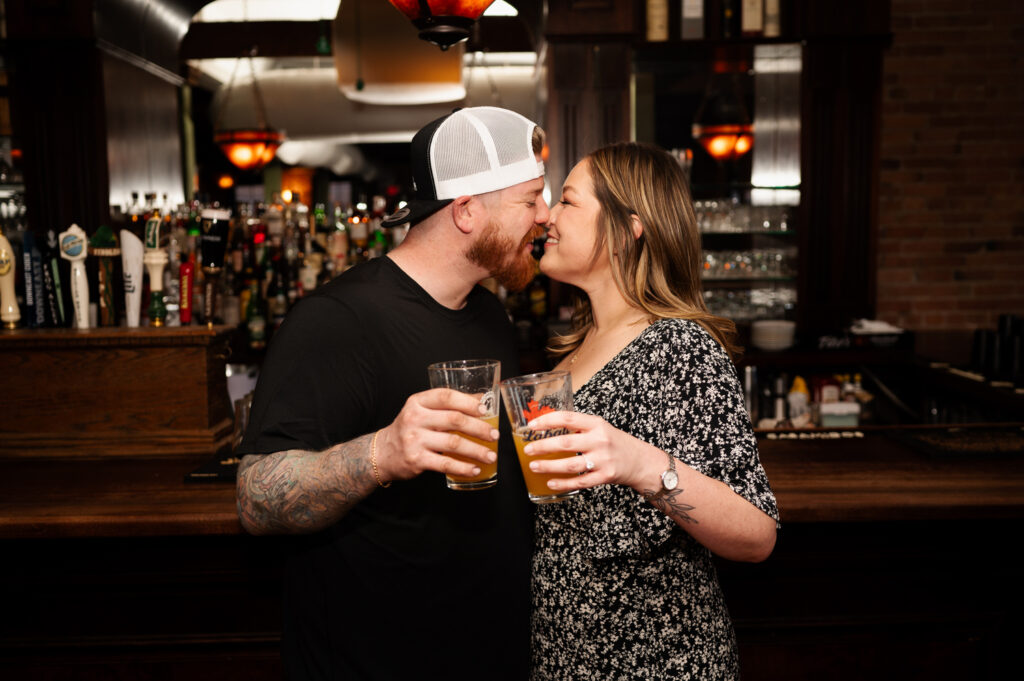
(373, 460)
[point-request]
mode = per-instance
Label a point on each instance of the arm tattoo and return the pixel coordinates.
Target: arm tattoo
(672, 505)
(296, 491)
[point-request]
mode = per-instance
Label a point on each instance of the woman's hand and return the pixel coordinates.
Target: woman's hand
(607, 454)
(706, 508)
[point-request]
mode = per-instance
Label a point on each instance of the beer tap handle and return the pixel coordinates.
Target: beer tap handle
(73, 248)
(213, 245)
(155, 259)
(10, 314)
(131, 267)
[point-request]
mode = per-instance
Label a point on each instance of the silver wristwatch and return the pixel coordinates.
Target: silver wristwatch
(669, 480)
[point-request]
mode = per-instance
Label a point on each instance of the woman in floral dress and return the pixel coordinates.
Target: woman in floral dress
(624, 584)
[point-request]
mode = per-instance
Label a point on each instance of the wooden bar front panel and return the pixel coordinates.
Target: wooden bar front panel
(114, 392)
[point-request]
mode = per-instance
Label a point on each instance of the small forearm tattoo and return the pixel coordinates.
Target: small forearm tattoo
(671, 504)
(297, 491)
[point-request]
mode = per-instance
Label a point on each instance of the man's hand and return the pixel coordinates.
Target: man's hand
(426, 429)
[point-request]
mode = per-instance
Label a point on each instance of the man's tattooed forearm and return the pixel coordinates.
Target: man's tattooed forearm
(298, 491)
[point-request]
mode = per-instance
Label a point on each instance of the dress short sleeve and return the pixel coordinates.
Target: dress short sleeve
(676, 388)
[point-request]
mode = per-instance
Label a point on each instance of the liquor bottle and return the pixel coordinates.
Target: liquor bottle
(292, 267)
(692, 20)
(195, 218)
(772, 19)
(32, 274)
(256, 319)
(341, 240)
(247, 278)
(657, 20)
(359, 236)
(730, 19)
(134, 212)
(378, 241)
(319, 223)
(259, 246)
(56, 316)
(277, 297)
(752, 17)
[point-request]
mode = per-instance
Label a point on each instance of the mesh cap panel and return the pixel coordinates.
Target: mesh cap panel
(468, 152)
(509, 148)
(482, 149)
(457, 151)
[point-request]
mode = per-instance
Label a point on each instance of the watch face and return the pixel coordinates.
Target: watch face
(669, 480)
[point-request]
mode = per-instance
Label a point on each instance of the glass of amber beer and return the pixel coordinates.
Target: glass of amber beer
(526, 398)
(477, 377)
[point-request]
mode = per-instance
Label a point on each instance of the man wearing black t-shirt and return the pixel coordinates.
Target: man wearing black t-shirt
(394, 575)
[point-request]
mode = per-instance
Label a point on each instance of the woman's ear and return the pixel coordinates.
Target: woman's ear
(464, 211)
(636, 226)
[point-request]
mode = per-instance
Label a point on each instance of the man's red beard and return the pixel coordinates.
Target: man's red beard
(512, 266)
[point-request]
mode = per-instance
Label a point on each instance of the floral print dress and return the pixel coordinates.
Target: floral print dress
(620, 591)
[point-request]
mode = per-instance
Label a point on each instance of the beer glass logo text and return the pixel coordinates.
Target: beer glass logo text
(528, 435)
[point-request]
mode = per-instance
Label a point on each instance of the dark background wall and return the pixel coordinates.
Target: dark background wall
(951, 205)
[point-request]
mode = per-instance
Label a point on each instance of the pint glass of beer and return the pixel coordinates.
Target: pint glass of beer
(477, 377)
(526, 398)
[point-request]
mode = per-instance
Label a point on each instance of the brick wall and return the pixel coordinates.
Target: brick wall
(951, 199)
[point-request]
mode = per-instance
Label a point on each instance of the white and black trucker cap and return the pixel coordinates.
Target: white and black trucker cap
(467, 152)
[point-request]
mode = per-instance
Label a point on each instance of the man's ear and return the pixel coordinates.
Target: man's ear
(464, 213)
(636, 226)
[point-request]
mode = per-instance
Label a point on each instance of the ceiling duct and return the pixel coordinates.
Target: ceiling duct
(380, 59)
(306, 103)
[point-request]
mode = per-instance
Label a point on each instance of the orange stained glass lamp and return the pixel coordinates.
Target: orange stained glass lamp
(442, 22)
(725, 142)
(721, 124)
(248, 148)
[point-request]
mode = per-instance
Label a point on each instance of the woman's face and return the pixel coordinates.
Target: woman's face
(572, 233)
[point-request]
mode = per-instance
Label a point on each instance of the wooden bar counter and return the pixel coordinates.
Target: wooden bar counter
(891, 563)
(864, 477)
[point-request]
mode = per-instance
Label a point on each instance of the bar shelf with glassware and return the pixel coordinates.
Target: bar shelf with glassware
(729, 111)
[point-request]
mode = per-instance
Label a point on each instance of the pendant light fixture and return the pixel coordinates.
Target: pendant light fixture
(722, 124)
(248, 148)
(442, 22)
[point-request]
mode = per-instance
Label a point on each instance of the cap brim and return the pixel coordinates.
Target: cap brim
(414, 212)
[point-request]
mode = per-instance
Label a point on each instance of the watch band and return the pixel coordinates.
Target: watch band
(669, 480)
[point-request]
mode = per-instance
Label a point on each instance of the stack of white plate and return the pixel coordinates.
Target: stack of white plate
(772, 334)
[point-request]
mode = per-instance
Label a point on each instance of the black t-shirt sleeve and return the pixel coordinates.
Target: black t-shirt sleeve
(314, 390)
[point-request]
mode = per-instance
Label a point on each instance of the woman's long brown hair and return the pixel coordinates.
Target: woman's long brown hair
(660, 271)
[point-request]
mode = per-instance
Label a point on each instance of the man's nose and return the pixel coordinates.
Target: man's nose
(542, 213)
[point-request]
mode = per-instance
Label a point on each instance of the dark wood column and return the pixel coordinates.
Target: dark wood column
(840, 132)
(57, 112)
(94, 103)
(589, 61)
